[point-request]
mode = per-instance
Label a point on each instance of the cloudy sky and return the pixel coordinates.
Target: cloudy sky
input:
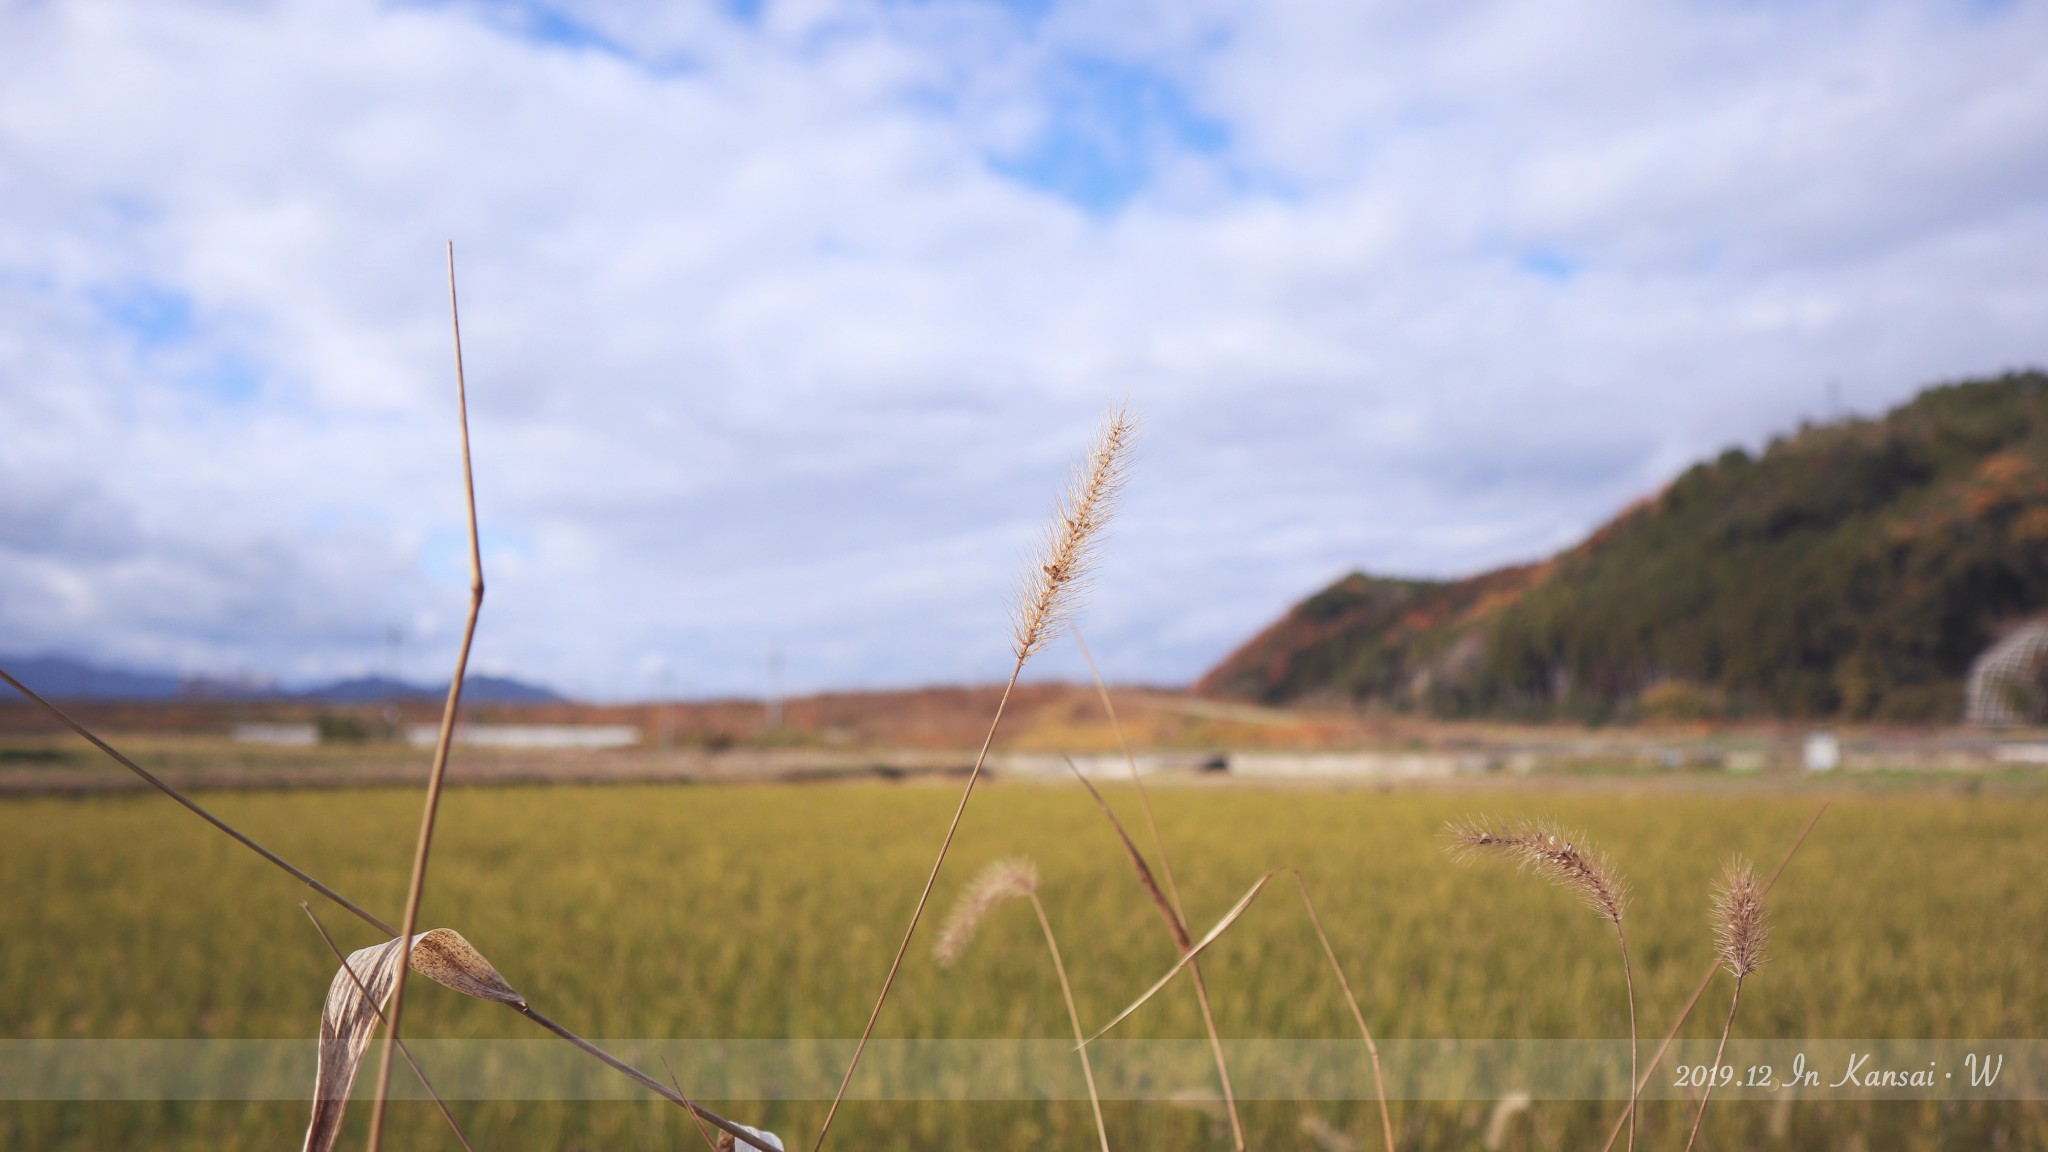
(784, 320)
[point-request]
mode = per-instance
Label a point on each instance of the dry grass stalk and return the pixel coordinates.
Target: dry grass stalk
(403, 1050)
(1080, 517)
(433, 799)
(696, 1120)
(405, 942)
(1068, 550)
(1707, 978)
(1223, 925)
(1000, 882)
(1177, 925)
(1191, 951)
(1740, 932)
(1178, 922)
(1379, 1076)
(672, 1095)
(1545, 849)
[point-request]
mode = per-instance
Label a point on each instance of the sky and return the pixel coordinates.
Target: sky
(785, 321)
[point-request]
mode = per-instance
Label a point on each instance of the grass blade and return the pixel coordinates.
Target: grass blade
(1178, 919)
(1193, 951)
(1144, 870)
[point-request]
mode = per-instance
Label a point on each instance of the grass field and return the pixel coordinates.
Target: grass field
(772, 911)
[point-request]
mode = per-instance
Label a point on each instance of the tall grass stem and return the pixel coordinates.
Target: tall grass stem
(1073, 1017)
(1379, 1076)
(923, 898)
(1715, 1068)
(432, 807)
(1628, 975)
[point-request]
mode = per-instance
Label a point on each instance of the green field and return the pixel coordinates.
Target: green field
(772, 912)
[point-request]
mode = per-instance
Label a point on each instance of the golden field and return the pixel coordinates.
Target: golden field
(771, 911)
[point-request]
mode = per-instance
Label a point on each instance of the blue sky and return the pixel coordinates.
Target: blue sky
(785, 320)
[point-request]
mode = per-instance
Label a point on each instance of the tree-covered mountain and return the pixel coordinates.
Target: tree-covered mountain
(1852, 569)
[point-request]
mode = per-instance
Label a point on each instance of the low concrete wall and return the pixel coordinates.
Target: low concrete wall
(1359, 765)
(530, 735)
(1095, 766)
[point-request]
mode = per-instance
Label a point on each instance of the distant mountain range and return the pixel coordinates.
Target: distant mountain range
(1852, 569)
(60, 677)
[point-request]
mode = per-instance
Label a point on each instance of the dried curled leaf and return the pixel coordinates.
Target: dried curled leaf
(350, 1016)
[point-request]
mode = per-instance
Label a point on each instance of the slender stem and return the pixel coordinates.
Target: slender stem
(1216, 1051)
(1179, 919)
(1144, 797)
(448, 711)
(922, 898)
(694, 1118)
(1378, 1076)
(161, 785)
(1073, 1017)
(1628, 974)
(1716, 1069)
(372, 1002)
(1708, 978)
(672, 1095)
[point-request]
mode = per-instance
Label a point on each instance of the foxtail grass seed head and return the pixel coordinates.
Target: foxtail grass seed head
(1741, 928)
(1547, 850)
(1000, 882)
(1061, 563)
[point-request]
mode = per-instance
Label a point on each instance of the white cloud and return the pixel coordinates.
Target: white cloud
(767, 351)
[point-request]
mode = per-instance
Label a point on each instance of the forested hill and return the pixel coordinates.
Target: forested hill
(1853, 569)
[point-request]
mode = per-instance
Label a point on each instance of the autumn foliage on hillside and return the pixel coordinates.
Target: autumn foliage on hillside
(1852, 569)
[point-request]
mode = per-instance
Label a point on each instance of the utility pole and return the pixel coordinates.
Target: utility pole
(666, 715)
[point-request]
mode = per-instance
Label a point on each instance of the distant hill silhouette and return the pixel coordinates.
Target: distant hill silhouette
(476, 689)
(60, 677)
(1853, 569)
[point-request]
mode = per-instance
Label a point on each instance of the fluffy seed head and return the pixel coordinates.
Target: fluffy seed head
(1061, 562)
(1001, 881)
(1741, 929)
(1549, 851)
